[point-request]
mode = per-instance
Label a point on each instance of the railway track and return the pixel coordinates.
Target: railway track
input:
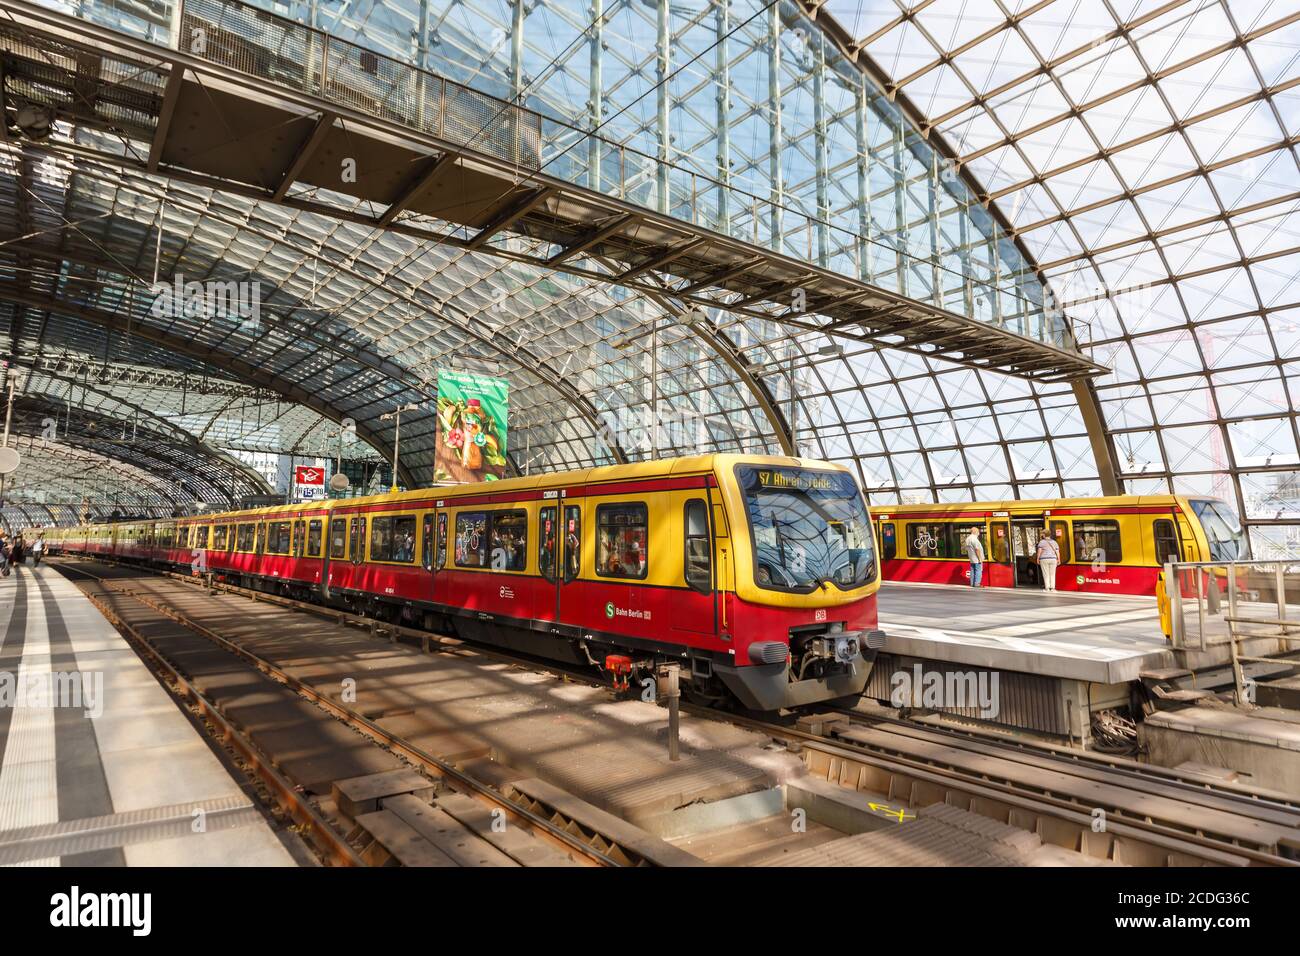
(1103, 806)
(188, 656)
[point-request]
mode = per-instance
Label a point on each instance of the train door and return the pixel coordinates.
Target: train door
(546, 607)
(426, 549)
(569, 607)
(1025, 532)
(697, 610)
(999, 566)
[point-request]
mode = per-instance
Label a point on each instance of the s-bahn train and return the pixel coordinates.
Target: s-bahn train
(758, 574)
(1114, 545)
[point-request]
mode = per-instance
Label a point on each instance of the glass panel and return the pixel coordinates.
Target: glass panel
(809, 528)
(471, 539)
(546, 542)
(508, 540)
(699, 546)
(622, 532)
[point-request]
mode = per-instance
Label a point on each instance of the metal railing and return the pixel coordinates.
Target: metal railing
(1215, 604)
(283, 51)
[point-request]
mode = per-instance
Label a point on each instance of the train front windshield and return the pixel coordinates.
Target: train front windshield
(1222, 530)
(808, 527)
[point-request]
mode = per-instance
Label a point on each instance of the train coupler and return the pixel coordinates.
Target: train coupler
(620, 668)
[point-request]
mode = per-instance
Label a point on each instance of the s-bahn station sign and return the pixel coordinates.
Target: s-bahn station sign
(309, 482)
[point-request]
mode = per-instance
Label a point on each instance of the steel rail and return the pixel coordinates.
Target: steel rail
(328, 841)
(522, 816)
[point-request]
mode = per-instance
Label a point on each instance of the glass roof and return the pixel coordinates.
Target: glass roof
(1145, 155)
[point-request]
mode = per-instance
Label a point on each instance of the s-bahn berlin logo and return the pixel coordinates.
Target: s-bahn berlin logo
(609, 609)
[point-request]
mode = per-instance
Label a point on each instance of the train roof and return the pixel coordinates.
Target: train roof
(686, 465)
(1038, 504)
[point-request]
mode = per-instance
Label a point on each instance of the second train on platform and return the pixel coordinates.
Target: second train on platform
(1115, 545)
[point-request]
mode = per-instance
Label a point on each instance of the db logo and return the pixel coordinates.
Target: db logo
(819, 614)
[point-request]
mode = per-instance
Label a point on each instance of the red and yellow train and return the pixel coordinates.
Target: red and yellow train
(758, 574)
(1115, 545)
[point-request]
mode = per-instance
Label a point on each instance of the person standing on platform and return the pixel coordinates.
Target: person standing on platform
(975, 554)
(38, 549)
(4, 555)
(1049, 557)
(16, 552)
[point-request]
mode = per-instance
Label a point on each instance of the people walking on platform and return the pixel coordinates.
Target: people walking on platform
(38, 549)
(975, 554)
(16, 552)
(4, 555)
(1049, 557)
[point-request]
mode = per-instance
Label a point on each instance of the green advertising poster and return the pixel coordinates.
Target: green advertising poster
(471, 439)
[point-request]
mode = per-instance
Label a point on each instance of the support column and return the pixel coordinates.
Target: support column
(595, 91)
(936, 273)
(820, 145)
(900, 207)
(865, 270)
(517, 51)
(663, 45)
(774, 147)
(722, 77)
(1102, 452)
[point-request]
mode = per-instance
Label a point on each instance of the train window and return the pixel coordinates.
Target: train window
(621, 536)
(471, 539)
(277, 537)
(313, 538)
(220, 535)
(933, 540)
(1097, 541)
(1166, 539)
(699, 548)
(299, 537)
(338, 538)
(381, 539)
(572, 541)
(244, 537)
(360, 554)
(404, 538)
(440, 559)
(888, 542)
(259, 542)
(393, 539)
(546, 540)
(202, 540)
(508, 540)
(1061, 535)
(426, 542)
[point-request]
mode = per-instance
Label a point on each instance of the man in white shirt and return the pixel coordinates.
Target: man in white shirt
(975, 554)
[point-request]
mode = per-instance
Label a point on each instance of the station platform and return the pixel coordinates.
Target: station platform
(98, 765)
(1104, 639)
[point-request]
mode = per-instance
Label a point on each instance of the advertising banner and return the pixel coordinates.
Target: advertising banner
(471, 438)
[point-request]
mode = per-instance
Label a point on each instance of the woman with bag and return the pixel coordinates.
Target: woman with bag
(1049, 556)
